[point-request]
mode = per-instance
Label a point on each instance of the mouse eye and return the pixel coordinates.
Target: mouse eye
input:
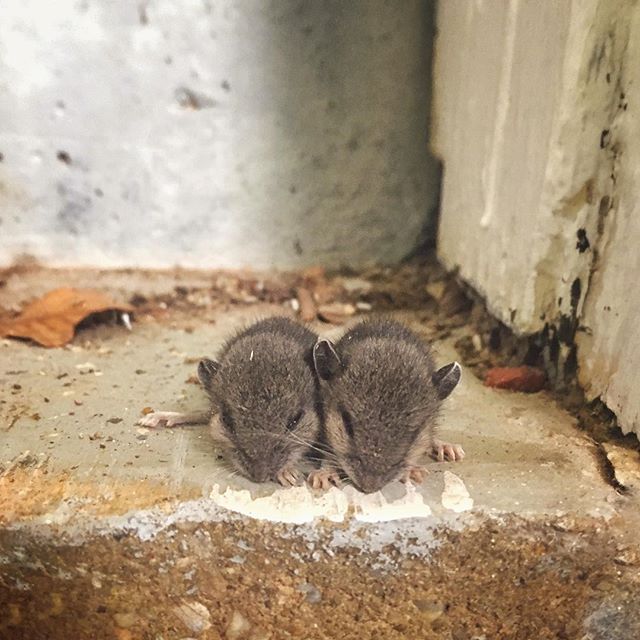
(226, 419)
(292, 423)
(347, 421)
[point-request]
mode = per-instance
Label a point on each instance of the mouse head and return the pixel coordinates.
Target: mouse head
(382, 404)
(264, 402)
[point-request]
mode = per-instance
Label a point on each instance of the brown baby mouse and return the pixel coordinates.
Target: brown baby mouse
(265, 408)
(382, 396)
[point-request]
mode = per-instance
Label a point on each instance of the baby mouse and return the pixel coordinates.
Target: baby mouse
(382, 398)
(265, 408)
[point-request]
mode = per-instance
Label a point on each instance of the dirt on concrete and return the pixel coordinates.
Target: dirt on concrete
(246, 579)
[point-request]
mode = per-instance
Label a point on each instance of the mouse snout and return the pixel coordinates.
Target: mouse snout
(260, 474)
(369, 483)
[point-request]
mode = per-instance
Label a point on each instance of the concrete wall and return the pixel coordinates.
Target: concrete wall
(536, 120)
(214, 133)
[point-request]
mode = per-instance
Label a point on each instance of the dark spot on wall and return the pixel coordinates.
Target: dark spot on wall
(604, 138)
(143, 17)
(512, 314)
(608, 78)
(566, 329)
(308, 30)
(64, 157)
(560, 301)
(168, 60)
(98, 192)
(353, 144)
(189, 99)
(606, 307)
(293, 189)
(225, 85)
(297, 247)
(73, 217)
(576, 291)
(583, 242)
(1, 156)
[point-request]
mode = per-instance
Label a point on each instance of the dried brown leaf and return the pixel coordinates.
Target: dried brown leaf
(51, 320)
(308, 310)
(336, 312)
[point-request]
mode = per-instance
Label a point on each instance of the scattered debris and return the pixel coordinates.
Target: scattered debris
(52, 320)
(125, 620)
(25, 460)
(430, 609)
(307, 305)
(313, 595)
(194, 615)
(625, 464)
(238, 627)
(336, 312)
(453, 299)
(356, 285)
(126, 321)
(526, 379)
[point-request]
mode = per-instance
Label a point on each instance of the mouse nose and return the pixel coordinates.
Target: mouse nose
(260, 476)
(369, 484)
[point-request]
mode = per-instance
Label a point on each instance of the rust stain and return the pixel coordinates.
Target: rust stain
(26, 493)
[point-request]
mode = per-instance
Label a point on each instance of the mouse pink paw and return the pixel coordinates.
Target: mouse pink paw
(445, 451)
(288, 477)
(414, 474)
(324, 478)
(162, 419)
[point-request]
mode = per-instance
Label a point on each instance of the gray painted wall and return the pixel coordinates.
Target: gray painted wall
(214, 133)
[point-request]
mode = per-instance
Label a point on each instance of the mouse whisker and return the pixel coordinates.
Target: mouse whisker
(325, 452)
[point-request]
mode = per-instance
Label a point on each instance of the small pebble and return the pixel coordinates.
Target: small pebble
(125, 620)
(312, 593)
(430, 609)
(238, 627)
(194, 615)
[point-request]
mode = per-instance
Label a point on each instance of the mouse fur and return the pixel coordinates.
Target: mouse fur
(382, 395)
(265, 408)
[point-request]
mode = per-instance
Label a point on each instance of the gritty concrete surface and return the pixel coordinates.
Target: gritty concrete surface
(524, 538)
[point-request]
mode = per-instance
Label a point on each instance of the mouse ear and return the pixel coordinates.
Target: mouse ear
(446, 379)
(206, 370)
(325, 359)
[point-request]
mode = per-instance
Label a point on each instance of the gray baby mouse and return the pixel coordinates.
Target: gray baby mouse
(265, 408)
(382, 394)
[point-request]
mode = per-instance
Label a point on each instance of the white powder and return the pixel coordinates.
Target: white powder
(300, 505)
(455, 495)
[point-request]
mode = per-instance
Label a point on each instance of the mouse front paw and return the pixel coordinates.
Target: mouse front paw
(442, 451)
(324, 478)
(162, 419)
(289, 477)
(414, 474)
